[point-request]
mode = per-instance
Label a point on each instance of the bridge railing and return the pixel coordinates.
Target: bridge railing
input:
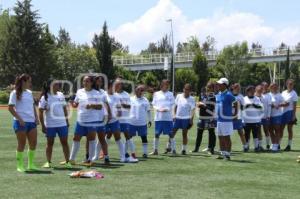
(189, 56)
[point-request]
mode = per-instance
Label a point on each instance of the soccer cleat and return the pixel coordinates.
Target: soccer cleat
(211, 152)
(195, 151)
(47, 165)
(68, 165)
(168, 150)
(174, 152)
(145, 155)
(227, 158)
(268, 147)
(287, 148)
(123, 160)
(133, 160)
(72, 162)
(155, 152)
(183, 152)
(205, 150)
(21, 169)
(87, 164)
(106, 160)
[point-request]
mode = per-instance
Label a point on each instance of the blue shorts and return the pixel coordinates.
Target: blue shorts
(181, 123)
(287, 117)
(238, 124)
(28, 126)
(112, 127)
(276, 120)
(138, 130)
(84, 128)
(165, 127)
(265, 121)
(60, 131)
(124, 127)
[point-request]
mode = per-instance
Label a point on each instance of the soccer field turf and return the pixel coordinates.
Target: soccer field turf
(250, 175)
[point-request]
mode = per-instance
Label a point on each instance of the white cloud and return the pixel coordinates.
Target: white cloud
(225, 28)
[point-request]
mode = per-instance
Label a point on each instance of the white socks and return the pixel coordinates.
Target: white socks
(145, 148)
(268, 140)
(155, 143)
(97, 151)
(290, 142)
(256, 142)
(92, 148)
(74, 150)
(183, 148)
(173, 144)
(130, 144)
(121, 149)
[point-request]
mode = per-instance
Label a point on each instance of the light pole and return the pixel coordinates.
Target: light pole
(173, 64)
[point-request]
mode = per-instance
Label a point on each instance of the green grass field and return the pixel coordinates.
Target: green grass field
(193, 176)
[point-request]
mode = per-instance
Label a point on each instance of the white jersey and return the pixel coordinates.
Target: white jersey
(291, 98)
(54, 106)
(140, 108)
(252, 114)
(25, 106)
(185, 106)
(163, 100)
(240, 99)
(83, 98)
(115, 105)
(103, 99)
(124, 98)
(267, 105)
(276, 99)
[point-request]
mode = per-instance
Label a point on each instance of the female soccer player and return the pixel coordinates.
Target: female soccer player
(289, 111)
(238, 123)
(101, 143)
(266, 111)
(163, 102)
(277, 102)
(224, 103)
(252, 115)
(53, 105)
(88, 102)
(21, 106)
(124, 98)
(140, 116)
(184, 115)
(207, 119)
(113, 126)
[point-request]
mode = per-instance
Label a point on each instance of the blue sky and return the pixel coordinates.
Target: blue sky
(136, 22)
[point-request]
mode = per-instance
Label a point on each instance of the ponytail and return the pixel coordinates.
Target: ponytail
(19, 84)
(46, 89)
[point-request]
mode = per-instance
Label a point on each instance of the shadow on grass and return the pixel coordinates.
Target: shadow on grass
(200, 155)
(107, 166)
(243, 161)
(66, 169)
(39, 172)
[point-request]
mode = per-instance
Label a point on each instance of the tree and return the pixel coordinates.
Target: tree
(25, 50)
(150, 79)
(287, 66)
(232, 61)
(63, 38)
(200, 69)
(103, 46)
(184, 76)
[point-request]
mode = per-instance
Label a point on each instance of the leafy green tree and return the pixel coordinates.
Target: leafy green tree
(63, 38)
(103, 45)
(184, 76)
(232, 61)
(200, 69)
(150, 79)
(25, 49)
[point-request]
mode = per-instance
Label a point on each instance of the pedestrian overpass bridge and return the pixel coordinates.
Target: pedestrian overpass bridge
(184, 60)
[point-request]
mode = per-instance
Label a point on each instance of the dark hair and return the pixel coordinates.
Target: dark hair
(18, 84)
(110, 83)
(95, 79)
(46, 89)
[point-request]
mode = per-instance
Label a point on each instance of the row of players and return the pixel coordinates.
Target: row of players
(131, 115)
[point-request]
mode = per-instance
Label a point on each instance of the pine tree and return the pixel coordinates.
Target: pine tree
(63, 38)
(103, 45)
